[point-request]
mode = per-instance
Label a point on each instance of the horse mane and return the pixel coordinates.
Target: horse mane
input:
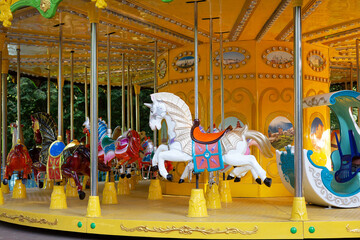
(102, 129)
(180, 113)
(48, 130)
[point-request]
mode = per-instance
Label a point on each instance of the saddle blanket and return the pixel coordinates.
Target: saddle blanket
(207, 156)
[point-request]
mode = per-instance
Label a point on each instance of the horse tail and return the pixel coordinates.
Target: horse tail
(262, 141)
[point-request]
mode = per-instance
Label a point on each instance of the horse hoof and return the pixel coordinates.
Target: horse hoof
(122, 175)
(181, 180)
(5, 181)
(169, 177)
(41, 184)
(268, 182)
(229, 177)
(155, 168)
(81, 195)
(258, 180)
(128, 175)
(237, 179)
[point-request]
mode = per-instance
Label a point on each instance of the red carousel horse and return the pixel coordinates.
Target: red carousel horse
(68, 161)
(18, 158)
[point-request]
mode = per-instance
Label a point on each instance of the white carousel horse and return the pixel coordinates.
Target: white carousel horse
(178, 118)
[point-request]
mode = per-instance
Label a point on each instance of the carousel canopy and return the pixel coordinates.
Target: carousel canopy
(134, 25)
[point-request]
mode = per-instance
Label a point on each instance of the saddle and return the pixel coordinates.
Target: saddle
(206, 138)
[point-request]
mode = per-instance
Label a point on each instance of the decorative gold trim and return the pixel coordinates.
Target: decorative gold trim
(276, 64)
(231, 65)
(45, 5)
(186, 230)
(184, 69)
(311, 64)
(162, 68)
(23, 218)
(355, 230)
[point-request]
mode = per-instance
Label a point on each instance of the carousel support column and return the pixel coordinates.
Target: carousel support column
(48, 91)
(4, 74)
(19, 191)
(137, 106)
(222, 80)
(108, 85)
(299, 212)
(123, 93)
(58, 197)
(93, 209)
(155, 191)
(131, 105)
(155, 87)
(86, 102)
(212, 193)
(197, 202)
(72, 97)
(128, 97)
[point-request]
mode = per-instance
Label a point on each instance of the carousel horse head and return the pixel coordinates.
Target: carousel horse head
(157, 114)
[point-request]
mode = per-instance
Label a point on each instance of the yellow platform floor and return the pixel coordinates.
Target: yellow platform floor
(134, 215)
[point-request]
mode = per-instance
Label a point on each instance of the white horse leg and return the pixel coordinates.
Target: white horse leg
(187, 171)
(233, 158)
(173, 155)
(161, 148)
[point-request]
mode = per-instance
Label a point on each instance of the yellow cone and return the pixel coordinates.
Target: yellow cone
(123, 187)
(109, 194)
(155, 192)
(213, 197)
(1, 198)
(85, 180)
(299, 212)
(71, 189)
(225, 192)
(197, 204)
(5, 188)
(93, 209)
(19, 191)
(58, 198)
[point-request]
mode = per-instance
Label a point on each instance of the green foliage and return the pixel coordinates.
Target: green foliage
(33, 99)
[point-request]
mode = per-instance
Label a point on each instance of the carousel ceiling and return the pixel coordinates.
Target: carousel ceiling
(134, 25)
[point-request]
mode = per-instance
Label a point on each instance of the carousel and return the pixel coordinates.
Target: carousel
(251, 111)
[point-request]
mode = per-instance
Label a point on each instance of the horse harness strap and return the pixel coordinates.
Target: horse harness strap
(206, 138)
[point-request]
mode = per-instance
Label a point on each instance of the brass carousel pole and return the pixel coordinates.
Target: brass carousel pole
(72, 97)
(211, 77)
(197, 203)
(18, 95)
(122, 93)
(86, 93)
(299, 207)
(60, 86)
(128, 97)
(4, 73)
(108, 85)
(357, 73)
(131, 104)
(137, 106)
(155, 87)
(48, 87)
(93, 209)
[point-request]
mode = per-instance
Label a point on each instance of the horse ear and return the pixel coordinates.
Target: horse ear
(149, 105)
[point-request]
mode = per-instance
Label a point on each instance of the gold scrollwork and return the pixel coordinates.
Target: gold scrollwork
(45, 5)
(5, 13)
(355, 230)
(23, 218)
(186, 230)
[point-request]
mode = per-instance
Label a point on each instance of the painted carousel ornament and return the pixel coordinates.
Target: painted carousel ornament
(207, 151)
(68, 161)
(18, 159)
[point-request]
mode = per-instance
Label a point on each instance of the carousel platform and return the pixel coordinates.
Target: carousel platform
(135, 215)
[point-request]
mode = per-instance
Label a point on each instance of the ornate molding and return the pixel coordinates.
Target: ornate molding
(186, 230)
(23, 218)
(354, 230)
(5, 14)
